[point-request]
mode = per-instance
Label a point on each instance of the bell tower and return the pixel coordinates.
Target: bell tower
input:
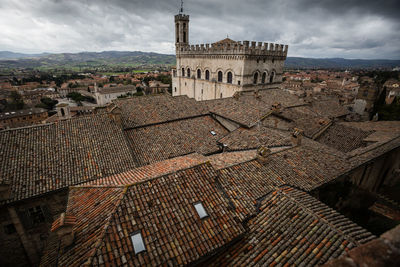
(181, 28)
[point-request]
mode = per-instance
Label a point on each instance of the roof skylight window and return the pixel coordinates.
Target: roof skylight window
(213, 133)
(200, 210)
(137, 242)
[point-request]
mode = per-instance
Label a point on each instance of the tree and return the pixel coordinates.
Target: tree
(47, 103)
(16, 102)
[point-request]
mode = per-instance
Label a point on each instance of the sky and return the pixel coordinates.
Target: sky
(368, 29)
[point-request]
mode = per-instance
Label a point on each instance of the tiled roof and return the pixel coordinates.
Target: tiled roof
(144, 110)
(150, 171)
(253, 138)
(343, 138)
(309, 165)
(247, 110)
(161, 209)
(37, 160)
(245, 183)
(226, 159)
(329, 108)
(292, 228)
(167, 140)
(306, 120)
(93, 209)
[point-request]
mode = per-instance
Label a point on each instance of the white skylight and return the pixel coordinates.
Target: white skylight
(137, 242)
(213, 133)
(200, 210)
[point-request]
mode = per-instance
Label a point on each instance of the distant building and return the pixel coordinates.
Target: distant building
(369, 92)
(392, 90)
(156, 87)
(105, 95)
(21, 118)
(219, 70)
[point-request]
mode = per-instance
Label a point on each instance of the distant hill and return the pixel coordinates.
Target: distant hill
(339, 63)
(75, 61)
(12, 55)
(88, 60)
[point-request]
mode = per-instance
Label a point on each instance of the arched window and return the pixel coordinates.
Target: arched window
(207, 75)
(188, 72)
(220, 76)
(271, 79)
(198, 74)
(62, 112)
(255, 78)
(229, 80)
(183, 72)
(264, 77)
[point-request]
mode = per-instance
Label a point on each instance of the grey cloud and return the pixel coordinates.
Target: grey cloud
(324, 28)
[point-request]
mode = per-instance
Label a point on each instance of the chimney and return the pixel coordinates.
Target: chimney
(236, 95)
(63, 226)
(263, 154)
(276, 107)
(4, 191)
(297, 136)
(115, 113)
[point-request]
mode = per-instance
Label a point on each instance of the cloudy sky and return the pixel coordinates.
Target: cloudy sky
(312, 28)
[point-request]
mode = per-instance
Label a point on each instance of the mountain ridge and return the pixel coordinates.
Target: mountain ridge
(137, 58)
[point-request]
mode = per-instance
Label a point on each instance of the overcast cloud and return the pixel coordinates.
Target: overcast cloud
(311, 28)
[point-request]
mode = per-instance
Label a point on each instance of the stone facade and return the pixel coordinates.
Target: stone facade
(219, 70)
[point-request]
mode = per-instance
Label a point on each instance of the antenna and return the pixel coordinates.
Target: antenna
(181, 11)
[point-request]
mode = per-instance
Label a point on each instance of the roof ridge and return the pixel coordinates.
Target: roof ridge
(98, 243)
(53, 123)
(208, 163)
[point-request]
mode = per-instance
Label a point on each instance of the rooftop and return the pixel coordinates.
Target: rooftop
(177, 138)
(146, 110)
(41, 159)
(19, 113)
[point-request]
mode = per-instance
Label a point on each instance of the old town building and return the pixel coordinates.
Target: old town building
(219, 70)
(25, 117)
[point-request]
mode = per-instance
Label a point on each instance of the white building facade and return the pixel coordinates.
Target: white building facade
(219, 70)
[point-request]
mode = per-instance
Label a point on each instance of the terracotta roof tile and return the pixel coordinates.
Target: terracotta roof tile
(40, 159)
(167, 140)
(291, 229)
(145, 110)
(161, 209)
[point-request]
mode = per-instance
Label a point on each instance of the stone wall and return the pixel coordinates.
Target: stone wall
(25, 228)
(243, 72)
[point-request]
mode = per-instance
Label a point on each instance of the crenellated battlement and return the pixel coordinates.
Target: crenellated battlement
(236, 48)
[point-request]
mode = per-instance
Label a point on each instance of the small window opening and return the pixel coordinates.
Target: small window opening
(255, 80)
(207, 75)
(229, 77)
(137, 242)
(264, 77)
(36, 214)
(188, 72)
(183, 72)
(198, 74)
(200, 210)
(219, 76)
(238, 82)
